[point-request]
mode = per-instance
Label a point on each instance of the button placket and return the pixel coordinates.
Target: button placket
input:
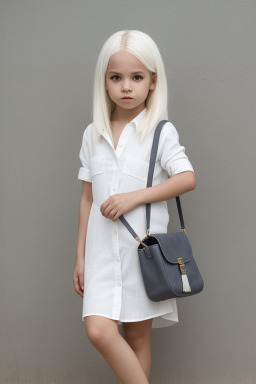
(113, 190)
(114, 184)
(115, 234)
(123, 139)
(117, 265)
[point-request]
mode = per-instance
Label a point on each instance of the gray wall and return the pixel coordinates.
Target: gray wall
(48, 55)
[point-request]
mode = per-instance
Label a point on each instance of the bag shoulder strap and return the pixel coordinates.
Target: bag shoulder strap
(149, 184)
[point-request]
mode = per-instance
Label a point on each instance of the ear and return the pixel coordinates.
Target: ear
(153, 81)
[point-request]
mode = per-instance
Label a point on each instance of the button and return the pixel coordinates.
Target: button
(115, 232)
(117, 259)
(119, 284)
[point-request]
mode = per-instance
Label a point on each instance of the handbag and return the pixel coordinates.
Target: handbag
(166, 260)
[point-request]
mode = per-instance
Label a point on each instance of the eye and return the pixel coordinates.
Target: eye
(140, 77)
(112, 78)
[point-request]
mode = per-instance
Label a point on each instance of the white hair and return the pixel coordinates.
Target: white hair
(145, 49)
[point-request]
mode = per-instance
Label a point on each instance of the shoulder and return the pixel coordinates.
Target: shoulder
(169, 132)
(88, 130)
(88, 134)
(169, 128)
(169, 139)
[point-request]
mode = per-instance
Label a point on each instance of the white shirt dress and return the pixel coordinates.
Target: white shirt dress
(113, 284)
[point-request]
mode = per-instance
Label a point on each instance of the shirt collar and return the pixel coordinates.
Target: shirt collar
(137, 119)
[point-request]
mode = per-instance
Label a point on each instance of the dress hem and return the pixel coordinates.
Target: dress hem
(132, 321)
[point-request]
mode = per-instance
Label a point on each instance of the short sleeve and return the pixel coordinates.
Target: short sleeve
(172, 155)
(84, 155)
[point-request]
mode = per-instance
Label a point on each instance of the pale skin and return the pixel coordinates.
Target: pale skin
(128, 356)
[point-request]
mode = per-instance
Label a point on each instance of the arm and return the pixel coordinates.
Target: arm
(84, 211)
(172, 187)
(121, 203)
(174, 161)
(85, 204)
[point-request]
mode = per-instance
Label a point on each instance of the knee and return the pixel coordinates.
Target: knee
(136, 339)
(97, 333)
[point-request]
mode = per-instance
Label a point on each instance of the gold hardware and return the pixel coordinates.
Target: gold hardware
(183, 230)
(139, 240)
(147, 235)
(182, 266)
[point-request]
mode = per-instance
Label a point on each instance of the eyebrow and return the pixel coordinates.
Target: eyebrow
(120, 73)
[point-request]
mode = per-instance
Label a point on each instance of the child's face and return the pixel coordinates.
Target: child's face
(126, 76)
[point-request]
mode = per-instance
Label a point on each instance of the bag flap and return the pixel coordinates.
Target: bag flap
(174, 245)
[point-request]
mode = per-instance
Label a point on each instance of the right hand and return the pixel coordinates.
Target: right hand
(78, 277)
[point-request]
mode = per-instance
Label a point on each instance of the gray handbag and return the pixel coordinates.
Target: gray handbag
(167, 264)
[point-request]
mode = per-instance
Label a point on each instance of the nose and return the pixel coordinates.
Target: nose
(126, 86)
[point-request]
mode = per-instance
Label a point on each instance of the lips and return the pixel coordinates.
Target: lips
(126, 97)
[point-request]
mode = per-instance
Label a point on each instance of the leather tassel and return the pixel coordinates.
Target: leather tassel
(185, 282)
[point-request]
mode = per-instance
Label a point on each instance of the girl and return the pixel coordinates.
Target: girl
(130, 98)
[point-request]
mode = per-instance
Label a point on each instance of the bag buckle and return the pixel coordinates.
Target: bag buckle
(141, 242)
(182, 266)
(147, 235)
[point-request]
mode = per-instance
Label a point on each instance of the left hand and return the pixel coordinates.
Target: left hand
(116, 205)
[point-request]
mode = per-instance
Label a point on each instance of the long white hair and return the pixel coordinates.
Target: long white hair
(145, 49)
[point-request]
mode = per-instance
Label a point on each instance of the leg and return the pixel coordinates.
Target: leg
(104, 335)
(138, 336)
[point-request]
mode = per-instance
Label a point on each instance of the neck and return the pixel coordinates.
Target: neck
(123, 116)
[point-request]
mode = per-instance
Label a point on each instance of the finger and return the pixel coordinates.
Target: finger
(81, 281)
(111, 214)
(77, 285)
(114, 216)
(105, 209)
(75, 282)
(108, 212)
(103, 206)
